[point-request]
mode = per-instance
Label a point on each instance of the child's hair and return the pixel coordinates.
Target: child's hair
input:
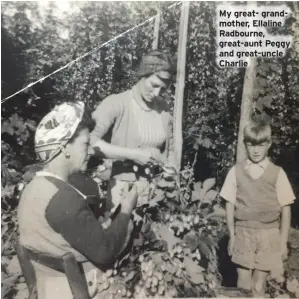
(257, 132)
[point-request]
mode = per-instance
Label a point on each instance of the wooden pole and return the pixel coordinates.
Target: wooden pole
(246, 107)
(156, 30)
(180, 81)
(247, 104)
(295, 25)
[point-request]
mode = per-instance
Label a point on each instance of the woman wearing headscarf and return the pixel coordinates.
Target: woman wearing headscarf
(140, 125)
(54, 217)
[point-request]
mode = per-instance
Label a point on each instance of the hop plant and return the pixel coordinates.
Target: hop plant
(196, 256)
(152, 282)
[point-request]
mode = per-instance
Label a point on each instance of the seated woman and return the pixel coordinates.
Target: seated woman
(140, 125)
(53, 216)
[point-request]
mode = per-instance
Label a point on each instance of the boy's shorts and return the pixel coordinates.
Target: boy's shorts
(257, 248)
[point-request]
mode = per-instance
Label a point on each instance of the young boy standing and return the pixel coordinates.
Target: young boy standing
(258, 197)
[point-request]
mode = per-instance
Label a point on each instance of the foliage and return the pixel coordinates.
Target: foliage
(282, 285)
(173, 253)
(212, 95)
(10, 269)
(34, 45)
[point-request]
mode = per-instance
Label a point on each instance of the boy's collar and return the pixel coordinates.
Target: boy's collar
(262, 164)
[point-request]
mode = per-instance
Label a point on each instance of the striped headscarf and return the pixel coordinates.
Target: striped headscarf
(56, 129)
(155, 61)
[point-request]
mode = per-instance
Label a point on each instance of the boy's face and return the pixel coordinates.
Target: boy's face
(257, 152)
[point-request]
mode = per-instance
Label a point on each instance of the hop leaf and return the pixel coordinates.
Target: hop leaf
(163, 233)
(197, 186)
(293, 285)
(209, 184)
(210, 196)
(194, 271)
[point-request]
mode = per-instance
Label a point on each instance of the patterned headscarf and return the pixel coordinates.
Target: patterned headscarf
(155, 61)
(56, 129)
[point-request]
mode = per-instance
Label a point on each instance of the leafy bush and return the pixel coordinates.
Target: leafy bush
(33, 49)
(174, 249)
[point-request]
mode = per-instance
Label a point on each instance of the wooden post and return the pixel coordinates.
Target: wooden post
(295, 25)
(156, 30)
(247, 103)
(180, 84)
(246, 107)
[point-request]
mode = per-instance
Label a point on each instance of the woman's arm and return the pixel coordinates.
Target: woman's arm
(71, 217)
(105, 117)
(110, 151)
(140, 156)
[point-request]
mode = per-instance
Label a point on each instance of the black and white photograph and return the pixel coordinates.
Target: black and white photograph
(149, 149)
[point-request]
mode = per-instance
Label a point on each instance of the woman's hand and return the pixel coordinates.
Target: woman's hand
(157, 157)
(147, 156)
(129, 200)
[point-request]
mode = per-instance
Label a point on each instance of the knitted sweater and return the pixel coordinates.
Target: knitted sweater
(124, 120)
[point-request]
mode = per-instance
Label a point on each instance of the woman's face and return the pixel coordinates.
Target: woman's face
(80, 151)
(153, 86)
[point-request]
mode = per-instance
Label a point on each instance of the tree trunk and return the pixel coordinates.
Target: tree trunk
(180, 81)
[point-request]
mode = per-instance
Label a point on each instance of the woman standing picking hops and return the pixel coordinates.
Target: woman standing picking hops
(140, 124)
(53, 216)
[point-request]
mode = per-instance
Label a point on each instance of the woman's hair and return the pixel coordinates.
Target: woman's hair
(155, 61)
(257, 131)
(87, 122)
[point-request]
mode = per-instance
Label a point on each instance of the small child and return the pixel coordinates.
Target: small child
(258, 197)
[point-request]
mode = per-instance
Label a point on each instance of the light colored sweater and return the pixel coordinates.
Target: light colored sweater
(124, 120)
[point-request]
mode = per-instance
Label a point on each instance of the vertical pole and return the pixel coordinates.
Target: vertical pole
(247, 103)
(180, 84)
(246, 107)
(156, 30)
(295, 27)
